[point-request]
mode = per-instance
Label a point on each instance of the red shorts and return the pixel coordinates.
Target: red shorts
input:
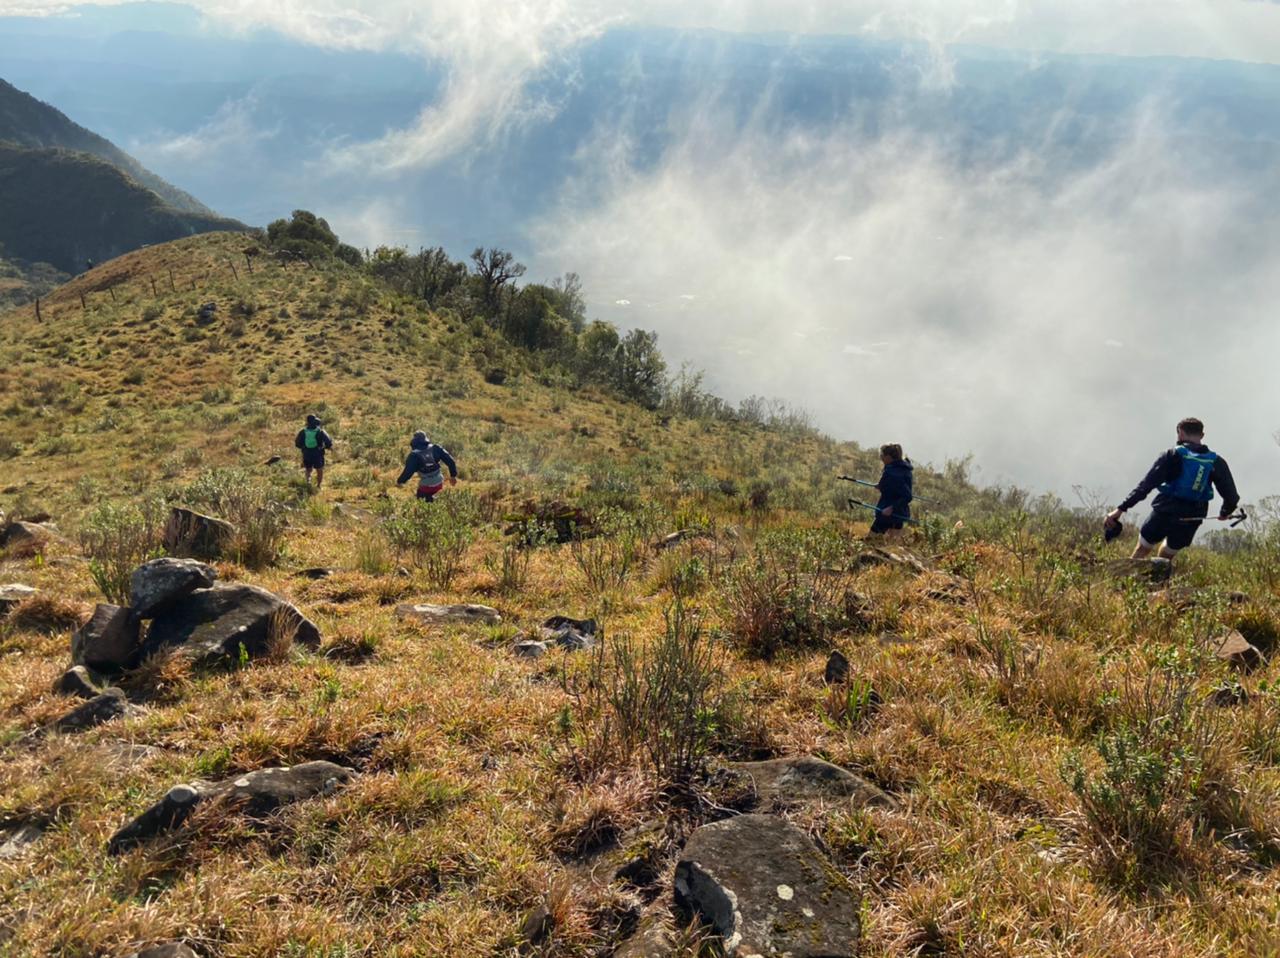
(426, 492)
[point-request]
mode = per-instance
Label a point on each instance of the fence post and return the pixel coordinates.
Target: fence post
(173, 286)
(248, 261)
(112, 291)
(153, 286)
(233, 270)
(39, 318)
(82, 305)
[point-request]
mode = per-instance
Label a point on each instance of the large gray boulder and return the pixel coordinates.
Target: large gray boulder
(77, 682)
(767, 891)
(189, 533)
(255, 793)
(13, 594)
(109, 640)
(803, 778)
(19, 535)
(159, 582)
(430, 614)
(211, 623)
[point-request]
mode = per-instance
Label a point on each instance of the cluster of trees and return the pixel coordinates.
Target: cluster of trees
(546, 319)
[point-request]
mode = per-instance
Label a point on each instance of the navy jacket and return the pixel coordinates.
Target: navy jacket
(895, 487)
(427, 461)
(1166, 469)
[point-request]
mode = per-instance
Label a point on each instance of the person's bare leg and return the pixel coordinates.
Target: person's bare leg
(319, 478)
(1167, 553)
(1143, 549)
(307, 470)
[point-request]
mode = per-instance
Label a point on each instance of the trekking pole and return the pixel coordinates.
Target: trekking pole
(872, 485)
(879, 511)
(1239, 517)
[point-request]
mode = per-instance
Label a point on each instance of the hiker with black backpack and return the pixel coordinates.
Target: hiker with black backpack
(313, 441)
(1186, 477)
(425, 461)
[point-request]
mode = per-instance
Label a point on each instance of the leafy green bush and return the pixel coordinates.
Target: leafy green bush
(510, 565)
(259, 514)
(789, 594)
(118, 538)
(435, 534)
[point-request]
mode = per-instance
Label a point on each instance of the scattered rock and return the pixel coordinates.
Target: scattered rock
(169, 949)
(563, 521)
(837, 670)
(537, 925)
(953, 592)
(1153, 570)
(903, 560)
(273, 460)
(1228, 694)
(77, 681)
(787, 781)
(107, 705)
(1235, 649)
(444, 614)
(318, 572)
(109, 640)
(190, 533)
(255, 793)
(572, 635)
(159, 582)
(14, 594)
(345, 511)
(219, 621)
(683, 535)
(529, 649)
(26, 535)
(767, 891)
(17, 842)
(207, 314)
(654, 936)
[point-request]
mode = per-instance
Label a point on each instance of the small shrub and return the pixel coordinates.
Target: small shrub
(371, 554)
(117, 539)
(436, 534)
(510, 565)
(259, 515)
(607, 559)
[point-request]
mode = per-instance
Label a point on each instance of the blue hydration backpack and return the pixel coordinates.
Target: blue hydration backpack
(1192, 483)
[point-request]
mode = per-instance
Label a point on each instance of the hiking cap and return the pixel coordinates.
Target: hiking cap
(419, 440)
(312, 420)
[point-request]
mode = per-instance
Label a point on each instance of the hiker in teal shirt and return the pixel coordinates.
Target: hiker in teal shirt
(313, 441)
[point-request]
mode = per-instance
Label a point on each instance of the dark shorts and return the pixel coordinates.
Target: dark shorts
(886, 523)
(429, 492)
(1170, 529)
(313, 458)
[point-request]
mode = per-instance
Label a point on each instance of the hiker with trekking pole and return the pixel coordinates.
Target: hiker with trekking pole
(312, 440)
(1186, 477)
(893, 510)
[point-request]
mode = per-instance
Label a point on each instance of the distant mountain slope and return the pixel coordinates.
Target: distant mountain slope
(65, 208)
(32, 123)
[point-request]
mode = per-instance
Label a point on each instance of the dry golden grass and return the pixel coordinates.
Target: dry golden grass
(468, 810)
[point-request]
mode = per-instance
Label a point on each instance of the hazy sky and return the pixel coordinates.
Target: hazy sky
(1054, 319)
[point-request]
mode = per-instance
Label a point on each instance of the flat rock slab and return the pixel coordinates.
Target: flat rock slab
(767, 891)
(19, 842)
(217, 622)
(109, 640)
(805, 778)
(529, 649)
(13, 594)
(110, 704)
(159, 582)
(189, 533)
(446, 614)
(254, 793)
(21, 533)
(884, 557)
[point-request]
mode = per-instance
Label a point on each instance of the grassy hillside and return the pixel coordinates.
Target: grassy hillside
(1075, 771)
(64, 208)
(34, 124)
(21, 282)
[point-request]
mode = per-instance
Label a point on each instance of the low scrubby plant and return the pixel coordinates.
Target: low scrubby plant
(259, 514)
(436, 535)
(615, 550)
(118, 538)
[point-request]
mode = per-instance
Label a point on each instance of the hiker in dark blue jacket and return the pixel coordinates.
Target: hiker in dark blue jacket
(313, 441)
(894, 508)
(425, 461)
(1186, 476)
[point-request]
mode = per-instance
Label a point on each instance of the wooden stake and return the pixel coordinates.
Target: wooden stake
(233, 270)
(112, 291)
(82, 305)
(153, 286)
(39, 319)
(172, 285)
